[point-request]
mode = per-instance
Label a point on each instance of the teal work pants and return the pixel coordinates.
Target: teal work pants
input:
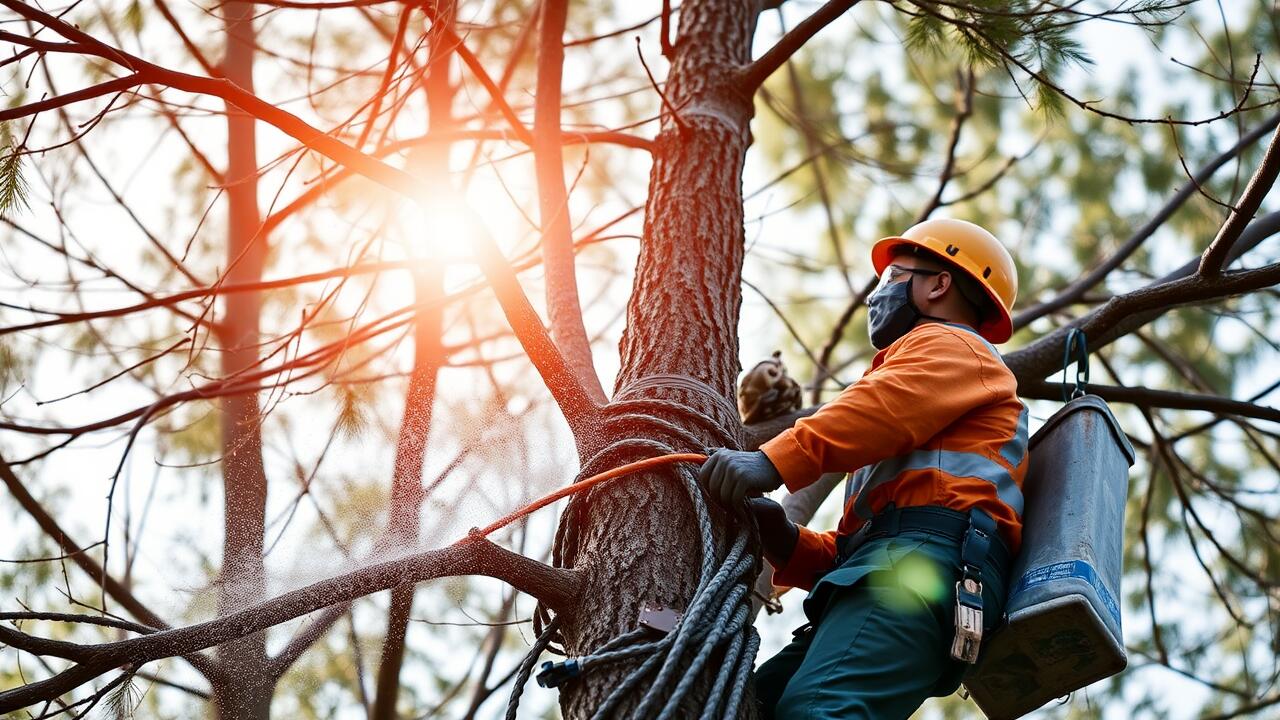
(879, 638)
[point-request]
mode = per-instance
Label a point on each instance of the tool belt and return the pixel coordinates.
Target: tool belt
(975, 531)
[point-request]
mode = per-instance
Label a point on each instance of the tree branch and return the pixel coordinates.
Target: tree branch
(1124, 313)
(1078, 288)
(74, 552)
(837, 333)
(964, 109)
(754, 75)
(455, 44)
(1242, 214)
(114, 588)
(1151, 398)
(564, 309)
(556, 587)
(107, 88)
(574, 402)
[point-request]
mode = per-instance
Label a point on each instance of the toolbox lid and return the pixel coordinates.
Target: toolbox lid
(1087, 402)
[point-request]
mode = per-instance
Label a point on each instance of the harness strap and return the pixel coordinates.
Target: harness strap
(977, 542)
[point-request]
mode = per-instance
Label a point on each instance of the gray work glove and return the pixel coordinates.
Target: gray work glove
(778, 535)
(730, 476)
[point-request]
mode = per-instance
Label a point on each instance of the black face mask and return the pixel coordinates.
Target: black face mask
(891, 313)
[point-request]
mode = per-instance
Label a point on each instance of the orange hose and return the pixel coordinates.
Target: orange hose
(629, 468)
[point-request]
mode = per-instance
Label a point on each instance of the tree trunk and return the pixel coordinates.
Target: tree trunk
(415, 426)
(242, 690)
(638, 537)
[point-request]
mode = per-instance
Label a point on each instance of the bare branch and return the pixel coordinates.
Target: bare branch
(454, 43)
(1074, 291)
(1124, 313)
(204, 63)
(564, 310)
(1242, 214)
(74, 552)
(557, 587)
(837, 332)
(1152, 398)
(754, 75)
(964, 108)
(107, 88)
(559, 378)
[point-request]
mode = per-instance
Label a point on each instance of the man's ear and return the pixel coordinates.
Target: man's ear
(941, 283)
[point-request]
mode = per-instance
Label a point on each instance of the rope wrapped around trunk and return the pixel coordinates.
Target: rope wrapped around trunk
(717, 621)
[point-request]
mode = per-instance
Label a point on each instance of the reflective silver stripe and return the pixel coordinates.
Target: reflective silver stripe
(951, 462)
(854, 482)
(1016, 448)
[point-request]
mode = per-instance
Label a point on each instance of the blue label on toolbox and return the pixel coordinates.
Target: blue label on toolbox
(1069, 569)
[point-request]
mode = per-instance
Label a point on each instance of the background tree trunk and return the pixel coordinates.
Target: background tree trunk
(242, 689)
(415, 426)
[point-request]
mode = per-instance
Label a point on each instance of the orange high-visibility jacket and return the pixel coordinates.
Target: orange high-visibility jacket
(936, 420)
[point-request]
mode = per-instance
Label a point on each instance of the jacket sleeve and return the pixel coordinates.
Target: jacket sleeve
(933, 376)
(814, 554)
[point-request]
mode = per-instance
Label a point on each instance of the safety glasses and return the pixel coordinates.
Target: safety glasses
(897, 273)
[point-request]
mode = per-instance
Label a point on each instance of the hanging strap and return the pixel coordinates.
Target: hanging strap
(977, 544)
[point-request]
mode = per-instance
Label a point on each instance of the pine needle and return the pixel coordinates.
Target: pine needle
(123, 701)
(13, 186)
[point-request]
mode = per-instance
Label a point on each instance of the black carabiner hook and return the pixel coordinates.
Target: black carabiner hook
(1077, 343)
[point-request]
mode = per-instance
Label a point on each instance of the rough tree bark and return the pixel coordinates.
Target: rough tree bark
(241, 689)
(682, 318)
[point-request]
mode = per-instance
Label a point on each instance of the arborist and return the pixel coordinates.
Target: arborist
(903, 590)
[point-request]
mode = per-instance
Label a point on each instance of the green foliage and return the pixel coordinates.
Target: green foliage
(13, 185)
(134, 17)
(1019, 38)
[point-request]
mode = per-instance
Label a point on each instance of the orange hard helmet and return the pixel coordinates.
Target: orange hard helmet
(972, 249)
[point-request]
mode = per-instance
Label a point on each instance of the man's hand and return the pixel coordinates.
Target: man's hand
(778, 535)
(732, 475)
